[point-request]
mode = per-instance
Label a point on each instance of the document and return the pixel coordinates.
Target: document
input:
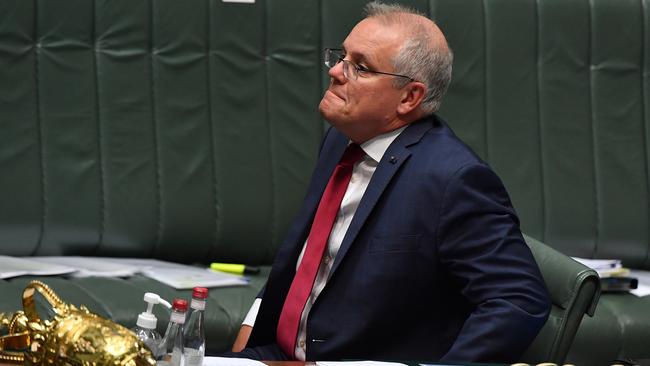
(189, 277)
(181, 276)
(176, 275)
(614, 268)
(643, 289)
(24, 266)
(91, 266)
(604, 267)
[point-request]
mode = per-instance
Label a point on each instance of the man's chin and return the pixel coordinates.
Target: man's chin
(329, 115)
(326, 109)
(333, 109)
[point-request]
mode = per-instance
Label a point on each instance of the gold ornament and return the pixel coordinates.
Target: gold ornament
(75, 336)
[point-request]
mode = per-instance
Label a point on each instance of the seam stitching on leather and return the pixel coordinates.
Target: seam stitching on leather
(269, 123)
(593, 129)
(39, 123)
(100, 154)
(538, 105)
(154, 125)
(644, 110)
(213, 160)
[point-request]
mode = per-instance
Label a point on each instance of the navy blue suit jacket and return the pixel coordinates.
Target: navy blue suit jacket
(432, 267)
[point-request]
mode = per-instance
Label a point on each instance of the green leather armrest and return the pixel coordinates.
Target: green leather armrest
(574, 290)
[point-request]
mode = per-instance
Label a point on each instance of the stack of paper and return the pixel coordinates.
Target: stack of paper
(179, 276)
(613, 276)
(605, 267)
(15, 266)
(90, 266)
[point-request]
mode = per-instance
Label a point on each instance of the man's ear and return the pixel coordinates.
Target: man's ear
(412, 97)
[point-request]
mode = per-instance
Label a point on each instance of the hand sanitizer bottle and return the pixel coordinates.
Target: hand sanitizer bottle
(172, 342)
(194, 335)
(146, 325)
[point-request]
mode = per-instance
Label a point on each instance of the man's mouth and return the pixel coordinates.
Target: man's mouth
(336, 94)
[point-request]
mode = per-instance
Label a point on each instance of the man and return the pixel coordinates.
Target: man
(422, 257)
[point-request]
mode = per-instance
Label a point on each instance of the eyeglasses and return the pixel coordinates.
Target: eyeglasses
(351, 71)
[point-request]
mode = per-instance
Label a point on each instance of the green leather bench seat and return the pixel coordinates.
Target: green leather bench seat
(574, 291)
(555, 95)
(620, 329)
(121, 300)
(160, 129)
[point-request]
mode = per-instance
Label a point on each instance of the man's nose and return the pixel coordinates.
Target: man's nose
(337, 73)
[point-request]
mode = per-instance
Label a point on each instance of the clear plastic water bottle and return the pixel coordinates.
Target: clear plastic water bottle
(195, 329)
(172, 342)
(146, 325)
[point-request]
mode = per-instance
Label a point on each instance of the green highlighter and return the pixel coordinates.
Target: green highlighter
(234, 268)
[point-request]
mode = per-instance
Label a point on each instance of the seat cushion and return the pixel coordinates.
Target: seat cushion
(121, 300)
(619, 329)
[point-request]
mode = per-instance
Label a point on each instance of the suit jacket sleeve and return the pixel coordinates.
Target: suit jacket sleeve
(481, 246)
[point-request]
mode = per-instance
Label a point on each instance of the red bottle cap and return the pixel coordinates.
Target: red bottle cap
(179, 304)
(200, 293)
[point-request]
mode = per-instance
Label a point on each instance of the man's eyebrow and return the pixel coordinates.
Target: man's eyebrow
(360, 57)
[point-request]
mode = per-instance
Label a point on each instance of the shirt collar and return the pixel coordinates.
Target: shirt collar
(377, 146)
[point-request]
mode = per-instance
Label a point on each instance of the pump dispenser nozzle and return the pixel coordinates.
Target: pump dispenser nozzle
(146, 324)
(147, 319)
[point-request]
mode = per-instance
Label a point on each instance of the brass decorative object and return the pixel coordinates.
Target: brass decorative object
(75, 336)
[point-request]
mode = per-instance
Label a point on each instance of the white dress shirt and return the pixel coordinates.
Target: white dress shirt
(361, 175)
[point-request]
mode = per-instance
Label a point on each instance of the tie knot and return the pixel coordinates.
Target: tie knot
(352, 154)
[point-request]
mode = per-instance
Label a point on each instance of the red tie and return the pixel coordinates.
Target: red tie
(320, 231)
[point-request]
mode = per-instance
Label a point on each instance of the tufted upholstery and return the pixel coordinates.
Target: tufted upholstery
(132, 127)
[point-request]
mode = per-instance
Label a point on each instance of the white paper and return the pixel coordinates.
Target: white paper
(189, 277)
(644, 282)
(605, 267)
(181, 276)
(21, 266)
(599, 263)
(641, 290)
(145, 263)
(91, 266)
(226, 361)
(240, 1)
(176, 275)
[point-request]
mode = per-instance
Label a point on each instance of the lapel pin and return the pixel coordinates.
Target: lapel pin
(392, 160)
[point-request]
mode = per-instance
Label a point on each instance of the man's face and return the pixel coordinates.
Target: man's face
(365, 107)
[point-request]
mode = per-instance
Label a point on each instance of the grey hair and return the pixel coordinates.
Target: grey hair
(418, 57)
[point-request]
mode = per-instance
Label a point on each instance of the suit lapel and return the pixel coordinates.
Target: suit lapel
(389, 165)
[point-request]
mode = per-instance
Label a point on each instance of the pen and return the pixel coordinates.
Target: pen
(234, 268)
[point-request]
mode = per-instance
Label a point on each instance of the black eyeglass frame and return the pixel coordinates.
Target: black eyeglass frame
(358, 68)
